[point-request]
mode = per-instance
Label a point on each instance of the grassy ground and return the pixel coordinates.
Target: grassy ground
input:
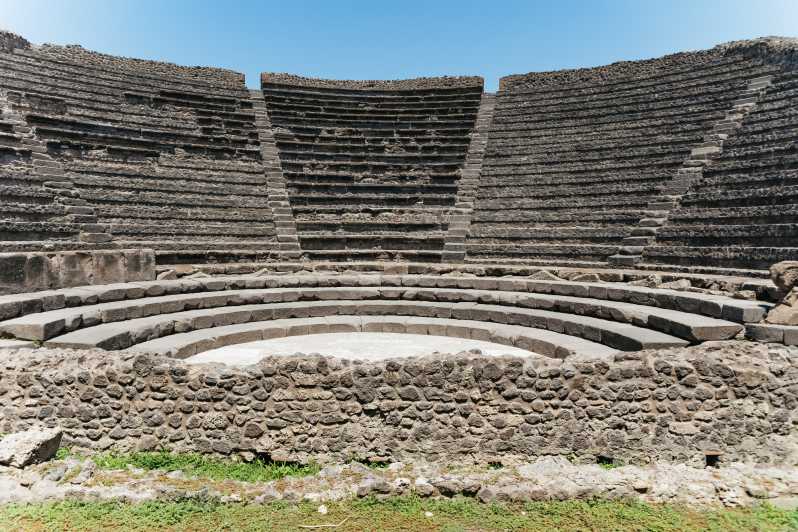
(201, 466)
(396, 514)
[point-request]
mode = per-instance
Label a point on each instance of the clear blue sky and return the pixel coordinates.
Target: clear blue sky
(380, 39)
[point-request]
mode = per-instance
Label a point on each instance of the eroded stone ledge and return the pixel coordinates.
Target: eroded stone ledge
(29, 272)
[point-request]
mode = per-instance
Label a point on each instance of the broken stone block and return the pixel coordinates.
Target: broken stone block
(680, 284)
(30, 447)
(652, 281)
(586, 278)
(168, 275)
(786, 312)
(784, 275)
(544, 275)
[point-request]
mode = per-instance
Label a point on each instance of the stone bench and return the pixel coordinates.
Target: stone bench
(120, 335)
(124, 78)
(675, 76)
(721, 307)
(49, 324)
(542, 342)
(766, 332)
(377, 241)
(218, 306)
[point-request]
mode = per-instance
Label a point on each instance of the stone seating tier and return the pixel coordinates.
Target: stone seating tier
(543, 342)
(742, 211)
(396, 148)
(571, 168)
(163, 153)
(32, 209)
(115, 336)
(616, 315)
(685, 162)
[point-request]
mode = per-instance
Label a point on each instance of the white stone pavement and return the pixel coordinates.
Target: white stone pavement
(354, 346)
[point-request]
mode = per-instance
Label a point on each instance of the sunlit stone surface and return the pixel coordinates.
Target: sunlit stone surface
(357, 346)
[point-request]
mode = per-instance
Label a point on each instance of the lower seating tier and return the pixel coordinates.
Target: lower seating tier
(618, 316)
(539, 341)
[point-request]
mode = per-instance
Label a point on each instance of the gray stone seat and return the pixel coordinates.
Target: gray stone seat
(122, 334)
(41, 315)
(543, 342)
(767, 332)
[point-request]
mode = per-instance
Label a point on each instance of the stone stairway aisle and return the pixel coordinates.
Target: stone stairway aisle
(702, 155)
(56, 179)
(454, 247)
(284, 222)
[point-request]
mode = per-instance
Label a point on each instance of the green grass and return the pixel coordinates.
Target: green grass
(203, 466)
(62, 453)
(391, 515)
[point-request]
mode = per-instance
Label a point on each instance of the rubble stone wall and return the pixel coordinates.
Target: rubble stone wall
(736, 400)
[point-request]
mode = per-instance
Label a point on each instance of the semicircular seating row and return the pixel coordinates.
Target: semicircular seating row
(552, 318)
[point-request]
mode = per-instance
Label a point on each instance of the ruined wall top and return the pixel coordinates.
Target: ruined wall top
(10, 41)
(78, 54)
(443, 82)
(612, 73)
(772, 49)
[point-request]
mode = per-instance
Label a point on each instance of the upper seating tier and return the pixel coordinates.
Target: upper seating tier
(154, 154)
(576, 159)
(741, 212)
(686, 162)
(372, 167)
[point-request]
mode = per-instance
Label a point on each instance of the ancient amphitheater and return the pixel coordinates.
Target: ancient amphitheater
(613, 225)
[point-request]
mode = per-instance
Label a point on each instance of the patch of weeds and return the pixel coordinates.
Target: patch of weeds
(606, 462)
(63, 453)
(199, 465)
(392, 515)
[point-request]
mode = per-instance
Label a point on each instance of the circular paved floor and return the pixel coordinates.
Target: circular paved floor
(354, 346)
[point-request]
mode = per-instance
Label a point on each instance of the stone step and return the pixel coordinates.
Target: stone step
(744, 101)
(761, 80)
(144, 302)
(121, 335)
(624, 260)
(652, 222)
(543, 342)
(645, 231)
(704, 151)
(741, 311)
(95, 238)
(770, 333)
(638, 241)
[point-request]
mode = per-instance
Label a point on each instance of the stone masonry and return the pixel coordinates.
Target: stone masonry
(454, 249)
(691, 171)
(735, 401)
(275, 181)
